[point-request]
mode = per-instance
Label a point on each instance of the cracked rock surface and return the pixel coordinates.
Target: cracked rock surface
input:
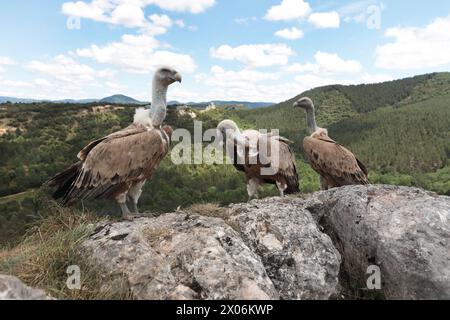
(284, 248)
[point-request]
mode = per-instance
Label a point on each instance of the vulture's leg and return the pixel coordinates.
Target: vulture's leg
(252, 189)
(134, 194)
(323, 184)
(281, 187)
(122, 201)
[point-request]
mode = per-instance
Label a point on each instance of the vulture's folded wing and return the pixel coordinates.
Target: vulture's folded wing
(121, 158)
(334, 161)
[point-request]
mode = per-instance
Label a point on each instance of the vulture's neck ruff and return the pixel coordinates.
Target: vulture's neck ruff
(158, 110)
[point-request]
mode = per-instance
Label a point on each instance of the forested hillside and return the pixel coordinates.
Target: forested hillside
(401, 129)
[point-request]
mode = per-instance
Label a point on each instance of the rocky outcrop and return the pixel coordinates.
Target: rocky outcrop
(300, 260)
(403, 231)
(289, 248)
(12, 288)
(180, 256)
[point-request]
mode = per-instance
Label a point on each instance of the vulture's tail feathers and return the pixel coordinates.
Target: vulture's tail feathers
(64, 180)
(292, 189)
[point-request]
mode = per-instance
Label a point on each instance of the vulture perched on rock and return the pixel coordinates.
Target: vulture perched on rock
(335, 164)
(117, 166)
(264, 158)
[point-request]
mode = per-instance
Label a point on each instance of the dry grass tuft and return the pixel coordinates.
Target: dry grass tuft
(211, 210)
(155, 235)
(49, 248)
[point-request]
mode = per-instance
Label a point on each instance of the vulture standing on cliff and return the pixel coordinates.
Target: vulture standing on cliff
(335, 164)
(117, 166)
(245, 151)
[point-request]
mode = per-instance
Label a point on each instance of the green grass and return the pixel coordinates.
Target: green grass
(52, 245)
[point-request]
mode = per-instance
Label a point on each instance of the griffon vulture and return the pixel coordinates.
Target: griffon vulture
(117, 166)
(263, 158)
(335, 164)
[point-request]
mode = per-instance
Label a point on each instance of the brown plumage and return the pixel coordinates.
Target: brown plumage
(336, 165)
(112, 165)
(118, 165)
(256, 164)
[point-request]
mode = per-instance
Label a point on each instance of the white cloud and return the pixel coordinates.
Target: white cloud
(288, 10)
(5, 61)
(311, 81)
(43, 82)
(115, 86)
(63, 68)
(180, 23)
(245, 20)
(416, 48)
(129, 13)
(325, 20)
(224, 78)
(327, 64)
(290, 34)
(138, 54)
(14, 83)
(255, 55)
(192, 6)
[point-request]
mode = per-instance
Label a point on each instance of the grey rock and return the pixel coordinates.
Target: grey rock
(405, 231)
(177, 256)
(11, 288)
(301, 260)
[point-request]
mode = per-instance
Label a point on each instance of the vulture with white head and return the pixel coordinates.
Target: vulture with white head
(336, 165)
(264, 158)
(116, 167)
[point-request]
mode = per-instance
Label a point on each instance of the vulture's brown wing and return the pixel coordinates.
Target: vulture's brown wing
(288, 169)
(127, 156)
(334, 162)
(130, 130)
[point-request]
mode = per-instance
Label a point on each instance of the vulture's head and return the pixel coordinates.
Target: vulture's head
(228, 130)
(304, 103)
(167, 76)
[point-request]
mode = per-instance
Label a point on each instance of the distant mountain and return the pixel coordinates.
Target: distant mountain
(16, 100)
(120, 99)
(116, 99)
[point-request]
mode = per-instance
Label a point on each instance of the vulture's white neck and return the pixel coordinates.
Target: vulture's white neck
(158, 110)
(311, 119)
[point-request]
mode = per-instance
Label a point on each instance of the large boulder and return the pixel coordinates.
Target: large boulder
(11, 288)
(285, 248)
(403, 231)
(301, 260)
(180, 256)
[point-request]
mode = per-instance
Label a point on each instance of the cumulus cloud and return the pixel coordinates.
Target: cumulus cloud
(221, 77)
(129, 12)
(255, 55)
(325, 20)
(192, 6)
(63, 68)
(288, 10)
(290, 34)
(137, 54)
(6, 61)
(416, 48)
(327, 64)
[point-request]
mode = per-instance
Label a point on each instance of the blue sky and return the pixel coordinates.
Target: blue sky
(257, 50)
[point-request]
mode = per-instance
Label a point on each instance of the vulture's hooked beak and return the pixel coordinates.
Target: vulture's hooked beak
(177, 77)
